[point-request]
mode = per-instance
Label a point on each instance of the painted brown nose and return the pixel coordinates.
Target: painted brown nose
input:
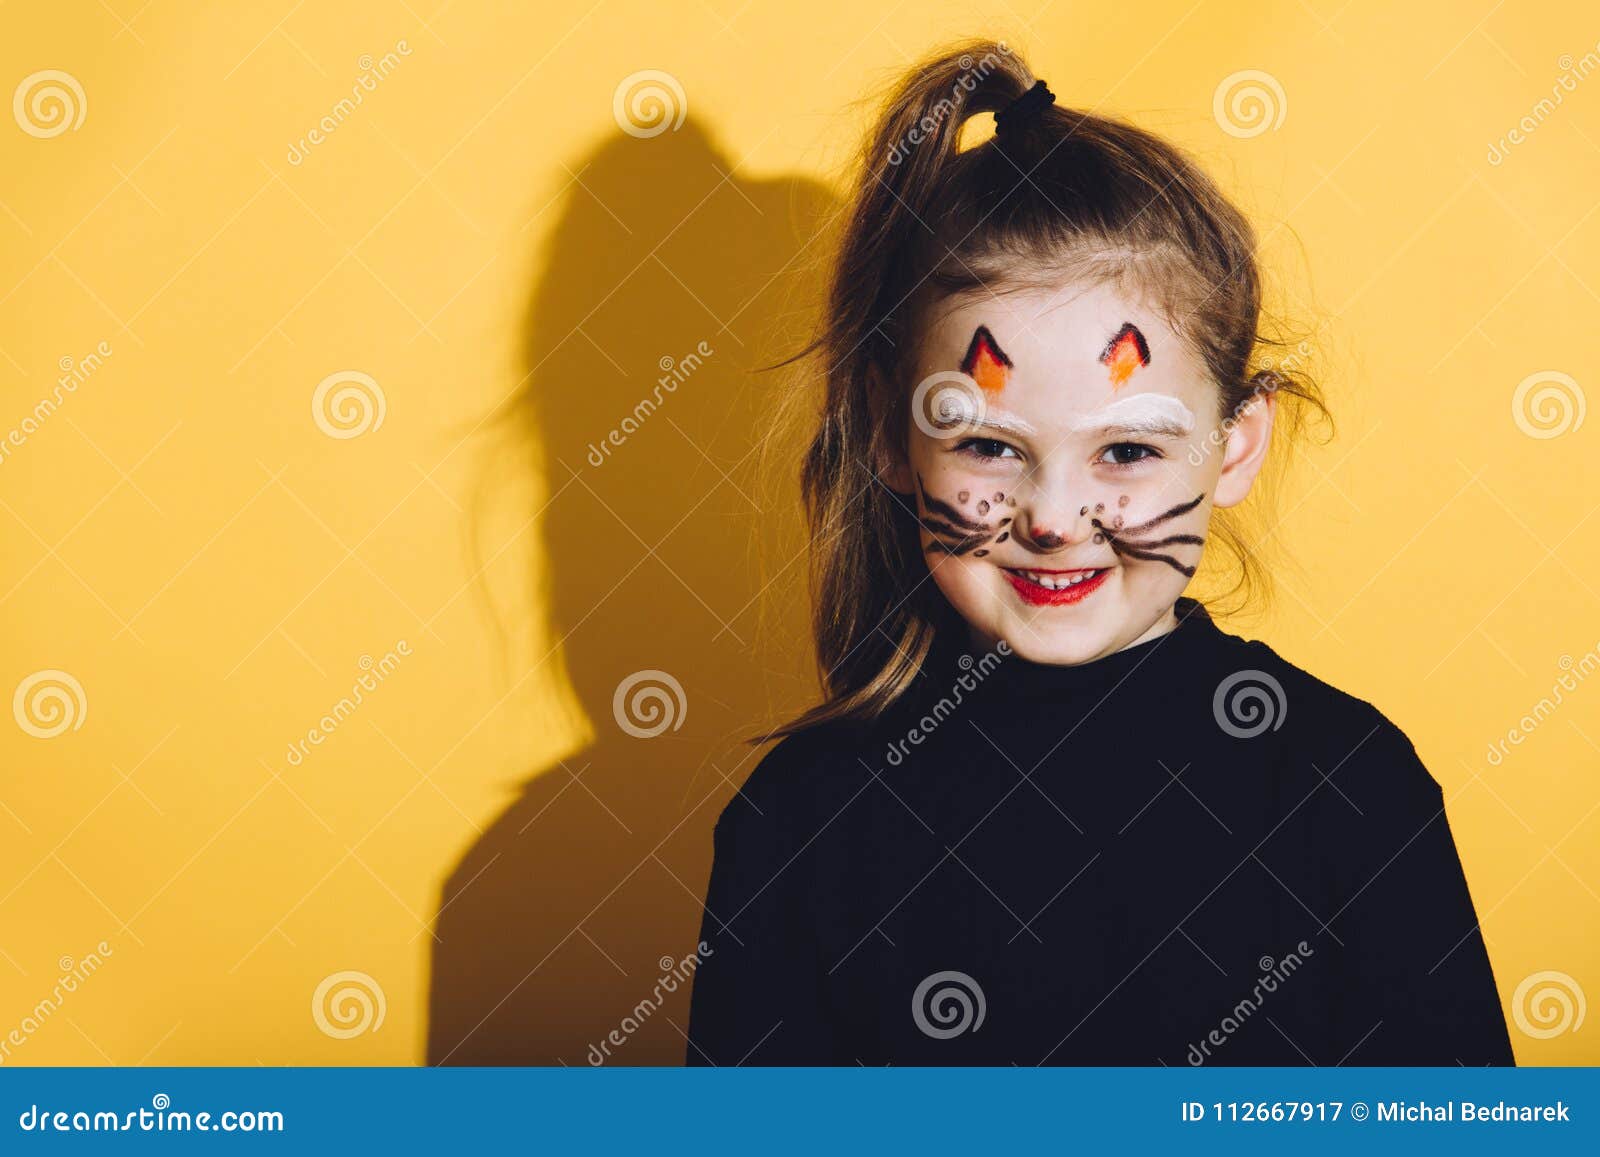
(1040, 538)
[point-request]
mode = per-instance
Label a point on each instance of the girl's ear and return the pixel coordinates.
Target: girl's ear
(1249, 435)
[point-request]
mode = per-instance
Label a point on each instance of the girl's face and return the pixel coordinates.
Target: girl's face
(1064, 455)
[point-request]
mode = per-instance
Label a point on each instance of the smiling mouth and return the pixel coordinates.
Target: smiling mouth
(1056, 587)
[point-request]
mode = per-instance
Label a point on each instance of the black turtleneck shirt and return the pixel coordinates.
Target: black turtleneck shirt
(1187, 852)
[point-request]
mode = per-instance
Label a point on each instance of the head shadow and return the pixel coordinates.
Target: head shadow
(669, 279)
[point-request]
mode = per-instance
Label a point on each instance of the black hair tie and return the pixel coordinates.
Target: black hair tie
(1021, 112)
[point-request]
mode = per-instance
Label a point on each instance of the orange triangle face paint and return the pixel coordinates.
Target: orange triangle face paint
(986, 363)
(1125, 352)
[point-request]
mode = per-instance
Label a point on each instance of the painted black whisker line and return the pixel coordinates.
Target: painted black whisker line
(953, 532)
(945, 530)
(1152, 556)
(950, 514)
(1145, 543)
(958, 548)
(1181, 508)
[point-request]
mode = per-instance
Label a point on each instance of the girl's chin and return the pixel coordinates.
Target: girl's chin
(1062, 648)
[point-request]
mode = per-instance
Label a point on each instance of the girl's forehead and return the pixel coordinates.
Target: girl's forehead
(1052, 355)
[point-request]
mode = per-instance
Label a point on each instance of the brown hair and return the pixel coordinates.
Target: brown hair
(1064, 194)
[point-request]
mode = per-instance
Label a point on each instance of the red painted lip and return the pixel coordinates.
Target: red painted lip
(1033, 594)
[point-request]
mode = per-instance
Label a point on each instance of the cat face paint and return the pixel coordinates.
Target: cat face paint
(1136, 542)
(986, 363)
(1105, 529)
(953, 532)
(1125, 352)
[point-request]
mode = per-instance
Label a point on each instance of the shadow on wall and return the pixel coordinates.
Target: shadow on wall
(669, 279)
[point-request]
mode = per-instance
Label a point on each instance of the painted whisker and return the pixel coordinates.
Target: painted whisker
(1151, 543)
(953, 532)
(1181, 508)
(1123, 541)
(947, 512)
(1152, 556)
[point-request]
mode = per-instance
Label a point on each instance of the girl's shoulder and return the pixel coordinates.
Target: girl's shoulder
(805, 776)
(1326, 730)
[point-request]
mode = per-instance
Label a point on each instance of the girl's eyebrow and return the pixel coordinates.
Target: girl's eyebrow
(1003, 423)
(1155, 428)
(1148, 415)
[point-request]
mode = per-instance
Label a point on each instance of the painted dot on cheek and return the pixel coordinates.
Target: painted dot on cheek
(1003, 521)
(963, 496)
(1098, 537)
(1011, 502)
(1004, 534)
(1123, 501)
(1099, 507)
(999, 496)
(1082, 510)
(983, 506)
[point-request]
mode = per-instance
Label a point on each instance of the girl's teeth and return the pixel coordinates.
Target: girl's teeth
(1056, 582)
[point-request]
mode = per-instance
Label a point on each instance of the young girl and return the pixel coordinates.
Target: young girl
(1049, 812)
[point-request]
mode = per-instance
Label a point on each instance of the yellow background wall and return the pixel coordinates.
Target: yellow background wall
(185, 539)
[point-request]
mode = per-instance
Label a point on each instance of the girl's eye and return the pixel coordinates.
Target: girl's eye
(986, 448)
(1127, 453)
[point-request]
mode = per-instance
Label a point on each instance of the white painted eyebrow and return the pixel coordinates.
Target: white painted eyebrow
(1157, 413)
(1003, 423)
